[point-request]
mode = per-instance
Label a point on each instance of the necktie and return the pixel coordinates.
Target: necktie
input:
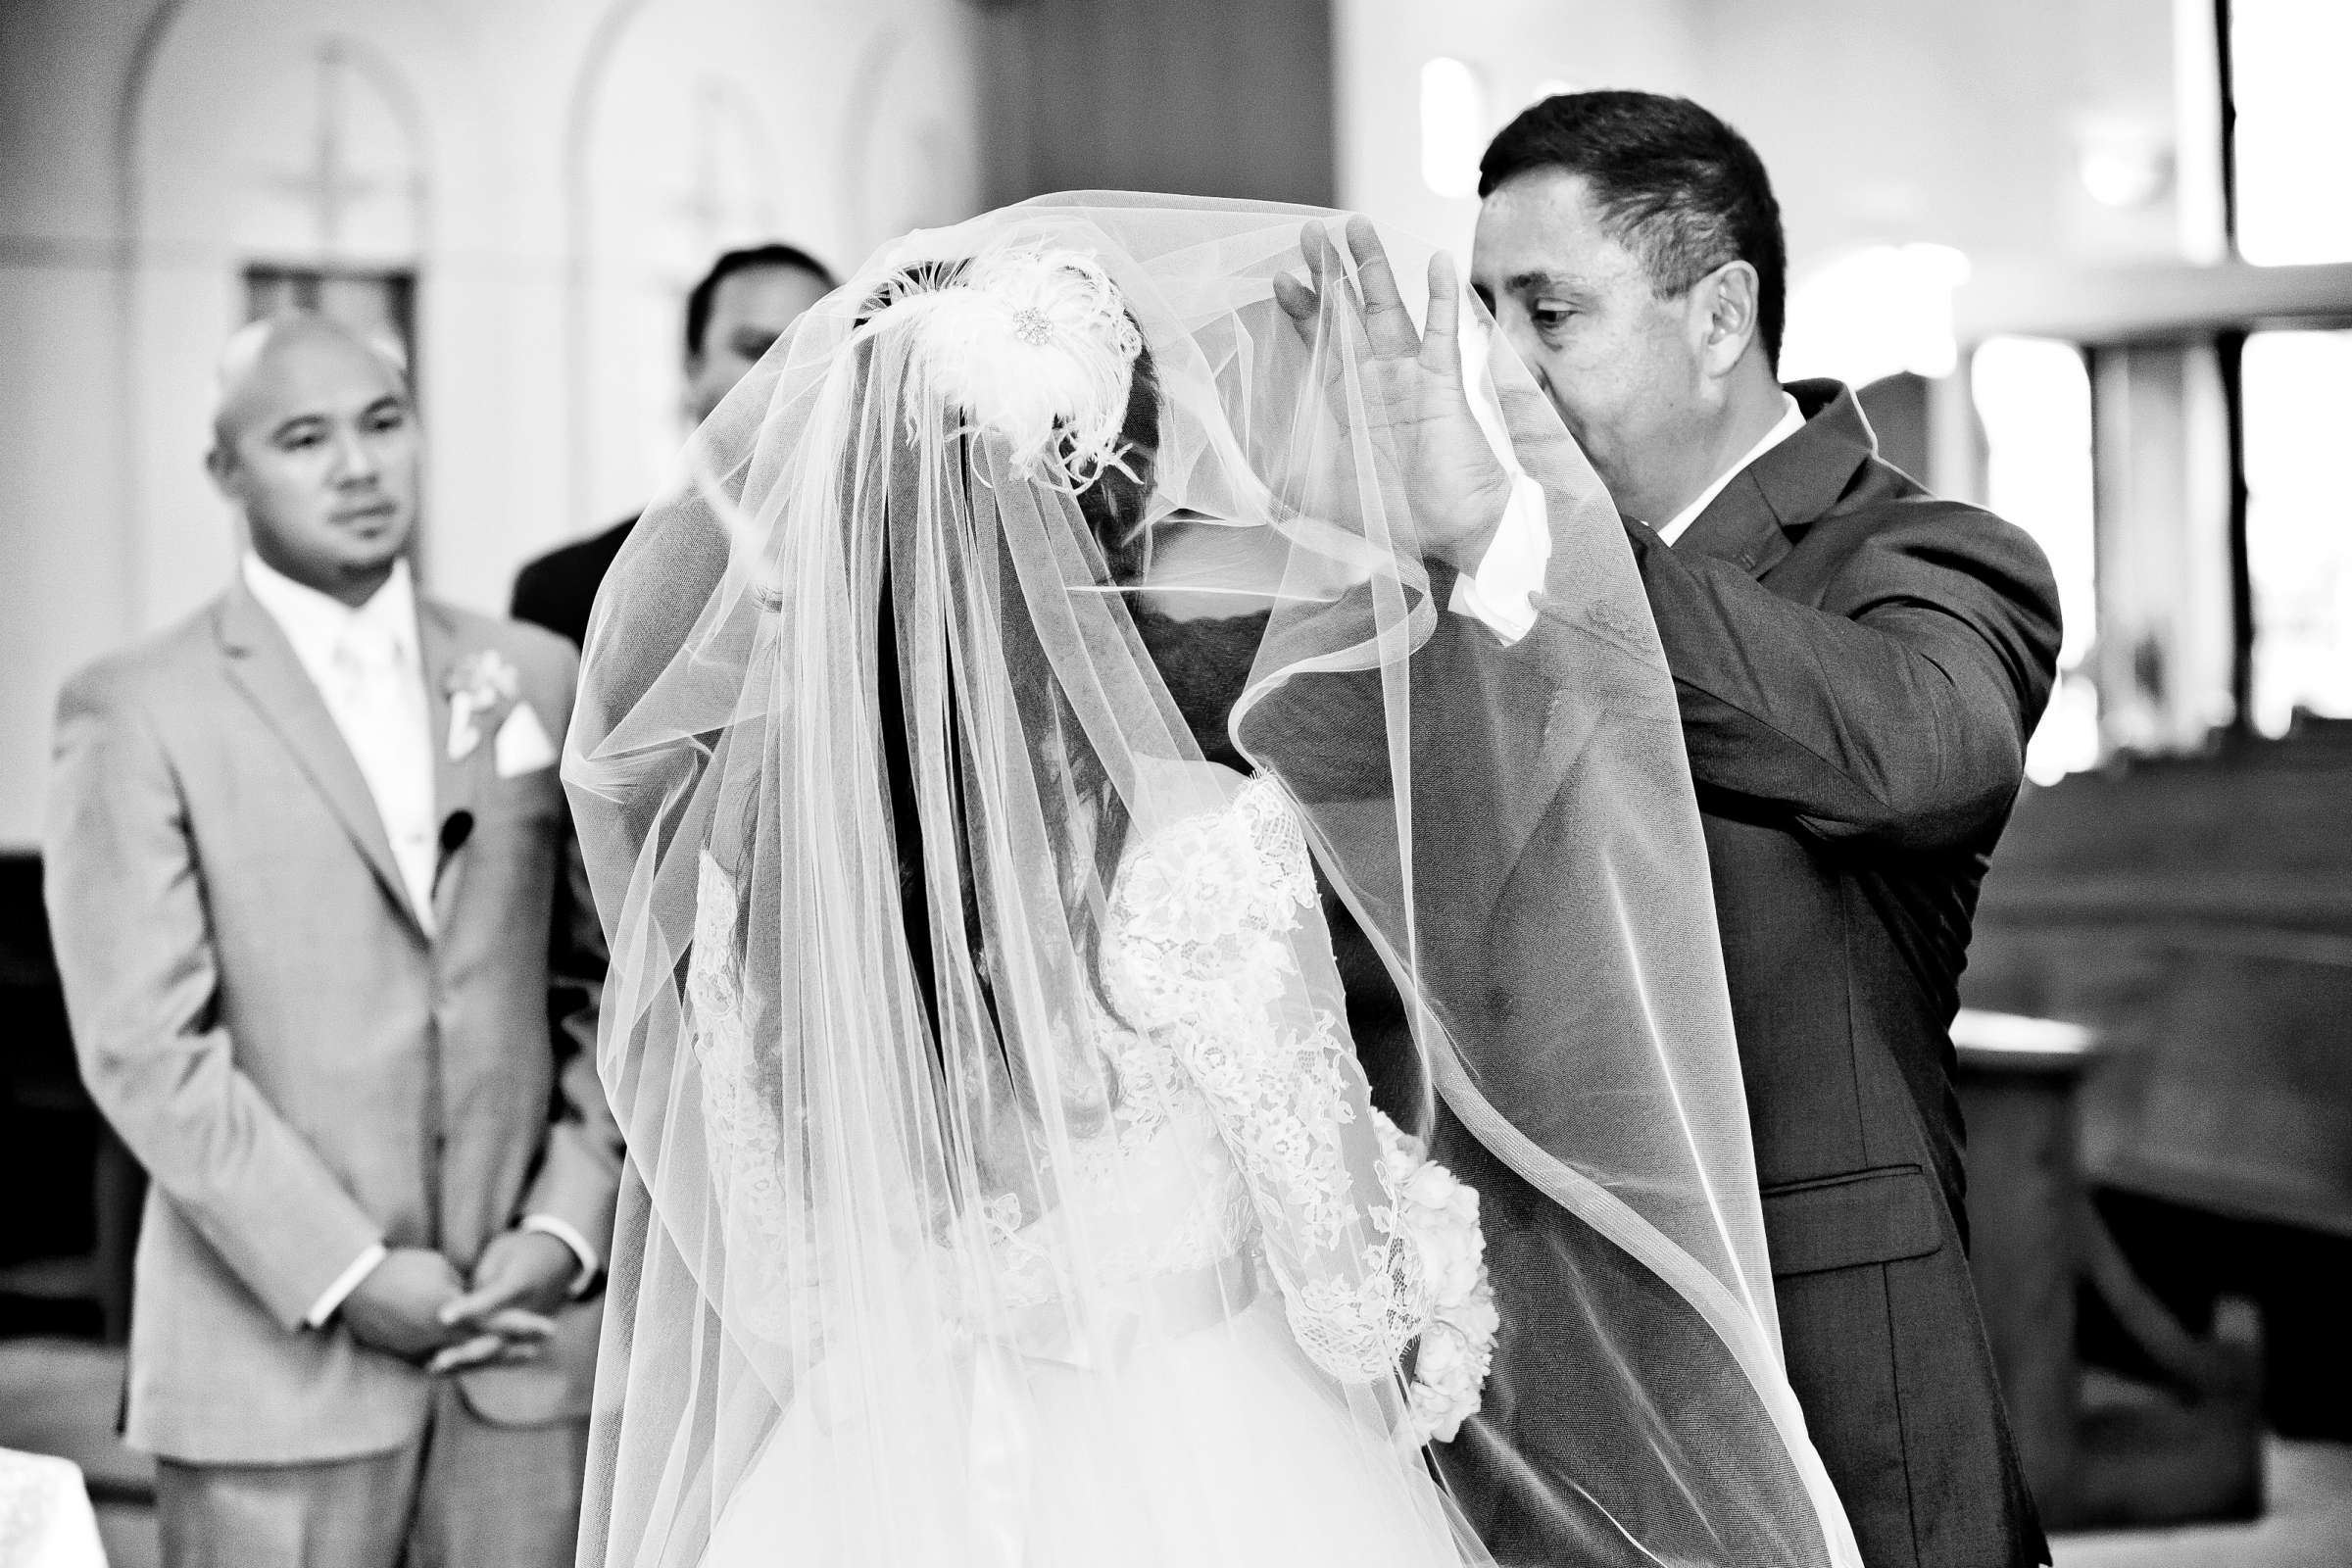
(385, 725)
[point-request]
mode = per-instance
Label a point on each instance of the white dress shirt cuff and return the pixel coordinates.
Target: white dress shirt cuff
(345, 1283)
(1500, 593)
(563, 1230)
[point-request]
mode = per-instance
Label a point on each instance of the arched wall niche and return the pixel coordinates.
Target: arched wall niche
(907, 166)
(553, 171)
(296, 136)
(716, 123)
(554, 176)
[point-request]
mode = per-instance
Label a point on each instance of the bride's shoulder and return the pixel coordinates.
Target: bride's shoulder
(1171, 793)
(1212, 831)
(1169, 789)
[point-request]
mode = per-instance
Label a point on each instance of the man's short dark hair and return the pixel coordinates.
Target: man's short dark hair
(698, 303)
(1677, 186)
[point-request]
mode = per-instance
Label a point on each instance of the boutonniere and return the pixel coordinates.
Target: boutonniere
(481, 687)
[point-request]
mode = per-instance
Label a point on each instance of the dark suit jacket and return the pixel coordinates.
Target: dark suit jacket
(559, 589)
(1858, 666)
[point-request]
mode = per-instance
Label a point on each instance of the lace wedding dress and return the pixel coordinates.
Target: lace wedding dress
(1210, 1421)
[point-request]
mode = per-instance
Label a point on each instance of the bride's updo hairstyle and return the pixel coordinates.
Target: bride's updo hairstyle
(1038, 349)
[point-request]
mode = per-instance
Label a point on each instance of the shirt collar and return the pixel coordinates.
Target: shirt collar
(316, 622)
(1791, 420)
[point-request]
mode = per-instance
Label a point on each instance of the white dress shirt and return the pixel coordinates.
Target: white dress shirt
(1791, 420)
(369, 667)
(1501, 593)
(366, 666)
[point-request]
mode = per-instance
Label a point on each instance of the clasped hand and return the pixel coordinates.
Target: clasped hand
(415, 1306)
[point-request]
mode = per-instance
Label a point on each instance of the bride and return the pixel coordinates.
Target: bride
(958, 758)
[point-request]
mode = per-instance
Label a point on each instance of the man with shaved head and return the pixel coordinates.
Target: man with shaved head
(311, 879)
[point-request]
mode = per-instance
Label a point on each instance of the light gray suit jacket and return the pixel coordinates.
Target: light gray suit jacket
(302, 1070)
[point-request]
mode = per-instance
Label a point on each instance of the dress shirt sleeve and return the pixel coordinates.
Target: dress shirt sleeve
(565, 1230)
(1500, 593)
(332, 1301)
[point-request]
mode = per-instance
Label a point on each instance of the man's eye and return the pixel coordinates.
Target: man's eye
(1549, 316)
(298, 440)
(389, 419)
(752, 345)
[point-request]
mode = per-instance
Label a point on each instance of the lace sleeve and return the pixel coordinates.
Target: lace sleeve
(744, 1140)
(1217, 920)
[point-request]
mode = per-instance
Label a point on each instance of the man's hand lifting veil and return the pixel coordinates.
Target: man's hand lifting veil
(1458, 486)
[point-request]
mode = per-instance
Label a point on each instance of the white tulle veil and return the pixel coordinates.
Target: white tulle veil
(871, 711)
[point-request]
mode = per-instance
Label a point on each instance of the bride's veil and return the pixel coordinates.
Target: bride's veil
(869, 722)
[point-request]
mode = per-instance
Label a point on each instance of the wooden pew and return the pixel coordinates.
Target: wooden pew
(2197, 914)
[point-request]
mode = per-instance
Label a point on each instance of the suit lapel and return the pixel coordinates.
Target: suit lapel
(1758, 517)
(454, 779)
(1739, 525)
(262, 664)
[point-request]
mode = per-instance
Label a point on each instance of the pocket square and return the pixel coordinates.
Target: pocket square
(523, 745)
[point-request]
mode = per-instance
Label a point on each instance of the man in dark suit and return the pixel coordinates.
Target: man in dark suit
(738, 309)
(1858, 664)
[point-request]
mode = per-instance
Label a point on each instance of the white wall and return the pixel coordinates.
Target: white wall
(556, 171)
(1958, 122)
(1514, 46)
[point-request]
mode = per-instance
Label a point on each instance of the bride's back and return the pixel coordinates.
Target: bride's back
(1196, 966)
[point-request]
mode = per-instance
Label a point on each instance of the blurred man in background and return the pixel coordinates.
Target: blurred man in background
(1858, 666)
(740, 307)
(305, 866)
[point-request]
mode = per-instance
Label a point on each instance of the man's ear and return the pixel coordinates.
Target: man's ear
(221, 462)
(1729, 296)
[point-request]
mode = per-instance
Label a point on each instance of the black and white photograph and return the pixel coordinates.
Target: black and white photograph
(1175, 784)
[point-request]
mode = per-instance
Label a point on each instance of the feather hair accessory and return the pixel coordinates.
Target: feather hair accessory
(1033, 344)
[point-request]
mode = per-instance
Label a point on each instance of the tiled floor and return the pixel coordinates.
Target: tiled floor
(59, 1396)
